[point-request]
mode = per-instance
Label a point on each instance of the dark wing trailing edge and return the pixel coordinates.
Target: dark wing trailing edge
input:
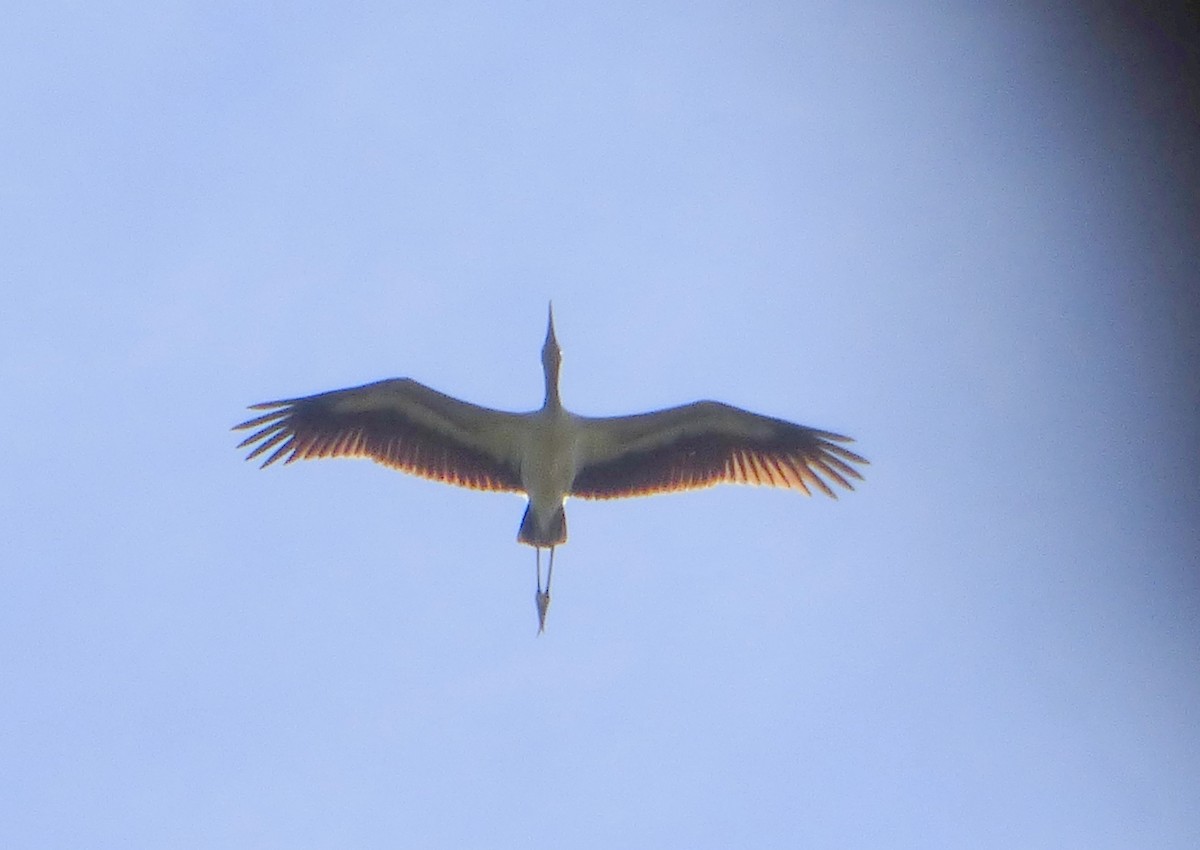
(398, 423)
(708, 443)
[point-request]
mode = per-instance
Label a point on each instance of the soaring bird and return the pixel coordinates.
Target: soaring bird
(550, 453)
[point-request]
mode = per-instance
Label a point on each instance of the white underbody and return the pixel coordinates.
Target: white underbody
(549, 459)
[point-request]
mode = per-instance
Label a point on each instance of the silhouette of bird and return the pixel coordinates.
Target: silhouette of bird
(550, 453)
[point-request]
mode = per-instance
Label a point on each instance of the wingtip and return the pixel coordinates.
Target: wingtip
(277, 411)
(267, 405)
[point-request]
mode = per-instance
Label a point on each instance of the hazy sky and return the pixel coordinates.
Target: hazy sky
(965, 238)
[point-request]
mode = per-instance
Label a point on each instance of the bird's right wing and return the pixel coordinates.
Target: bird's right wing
(399, 423)
(704, 444)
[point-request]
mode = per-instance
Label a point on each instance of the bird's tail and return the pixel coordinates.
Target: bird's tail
(552, 533)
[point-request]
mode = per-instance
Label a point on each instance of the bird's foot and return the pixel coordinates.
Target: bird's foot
(543, 605)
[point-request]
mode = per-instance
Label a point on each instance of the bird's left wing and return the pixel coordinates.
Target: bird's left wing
(399, 423)
(704, 444)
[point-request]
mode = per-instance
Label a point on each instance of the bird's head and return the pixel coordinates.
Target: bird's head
(551, 353)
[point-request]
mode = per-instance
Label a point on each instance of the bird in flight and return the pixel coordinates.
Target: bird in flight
(550, 453)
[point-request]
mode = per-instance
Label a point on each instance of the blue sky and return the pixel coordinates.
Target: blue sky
(952, 234)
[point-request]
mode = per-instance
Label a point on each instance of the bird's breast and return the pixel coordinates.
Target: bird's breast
(548, 461)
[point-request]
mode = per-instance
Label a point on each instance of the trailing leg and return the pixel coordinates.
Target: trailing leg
(543, 598)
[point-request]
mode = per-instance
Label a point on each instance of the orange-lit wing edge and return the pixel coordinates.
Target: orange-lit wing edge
(399, 423)
(705, 444)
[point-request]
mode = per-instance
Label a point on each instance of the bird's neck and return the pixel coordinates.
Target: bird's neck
(552, 400)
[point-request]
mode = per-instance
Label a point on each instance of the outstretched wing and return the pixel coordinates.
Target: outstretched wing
(704, 444)
(399, 423)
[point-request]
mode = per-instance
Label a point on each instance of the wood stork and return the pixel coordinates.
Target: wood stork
(551, 453)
